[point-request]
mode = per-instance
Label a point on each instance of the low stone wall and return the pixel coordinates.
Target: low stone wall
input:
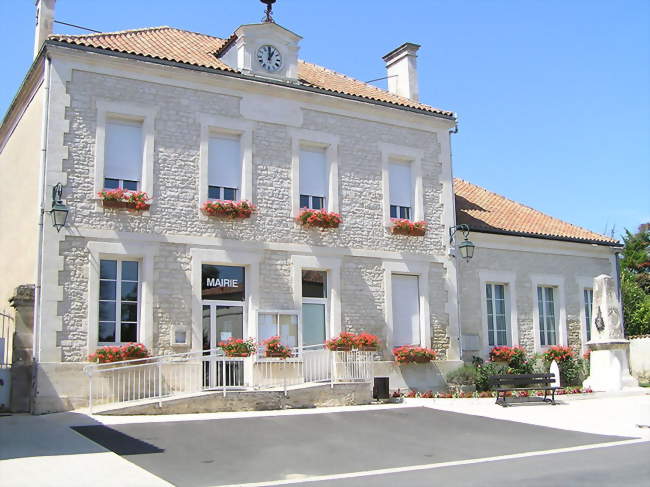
(60, 387)
(311, 396)
(420, 377)
(640, 357)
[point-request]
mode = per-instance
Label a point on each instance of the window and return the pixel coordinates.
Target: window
(224, 167)
(284, 325)
(406, 310)
(589, 301)
(547, 322)
(119, 299)
(495, 295)
(313, 178)
(314, 307)
(123, 148)
(401, 190)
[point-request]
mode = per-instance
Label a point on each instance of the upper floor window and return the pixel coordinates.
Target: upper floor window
(547, 320)
(224, 167)
(401, 190)
(589, 301)
(123, 151)
(313, 178)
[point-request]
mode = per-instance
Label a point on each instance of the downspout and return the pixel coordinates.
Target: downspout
(36, 352)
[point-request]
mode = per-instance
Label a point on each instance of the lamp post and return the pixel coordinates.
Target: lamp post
(59, 211)
(466, 247)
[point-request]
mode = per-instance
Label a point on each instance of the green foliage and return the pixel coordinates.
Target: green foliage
(462, 376)
(635, 281)
(483, 372)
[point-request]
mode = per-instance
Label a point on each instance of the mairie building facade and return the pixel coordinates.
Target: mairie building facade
(190, 118)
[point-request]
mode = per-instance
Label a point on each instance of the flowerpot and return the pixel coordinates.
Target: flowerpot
(368, 349)
(421, 360)
(122, 205)
(344, 348)
(408, 232)
(275, 355)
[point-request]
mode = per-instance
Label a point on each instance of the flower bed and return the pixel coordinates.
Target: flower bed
(236, 347)
(319, 218)
(128, 351)
(407, 227)
(413, 354)
(343, 342)
(448, 395)
(231, 210)
(123, 199)
(558, 353)
(274, 348)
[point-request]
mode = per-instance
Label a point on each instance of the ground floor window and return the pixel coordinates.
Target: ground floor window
(284, 325)
(314, 307)
(119, 301)
(589, 301)
(497, 321)
(406, 310)
(547, 321)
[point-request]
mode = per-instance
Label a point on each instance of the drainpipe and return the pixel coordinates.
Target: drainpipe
(42, 183)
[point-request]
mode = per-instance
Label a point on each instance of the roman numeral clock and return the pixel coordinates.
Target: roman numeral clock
(269, 58)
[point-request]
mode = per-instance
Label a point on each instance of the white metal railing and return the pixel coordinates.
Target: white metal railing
(6, 338)
(189, 373)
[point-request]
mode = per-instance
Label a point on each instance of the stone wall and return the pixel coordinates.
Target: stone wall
(640, 357)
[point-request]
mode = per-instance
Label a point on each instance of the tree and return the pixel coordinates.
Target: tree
(635, 282)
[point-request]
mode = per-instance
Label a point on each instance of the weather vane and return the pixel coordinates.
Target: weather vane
(269, 10)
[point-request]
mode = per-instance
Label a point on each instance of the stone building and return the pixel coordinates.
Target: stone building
(190, 118)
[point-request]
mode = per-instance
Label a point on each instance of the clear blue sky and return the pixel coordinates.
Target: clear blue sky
(552, 95)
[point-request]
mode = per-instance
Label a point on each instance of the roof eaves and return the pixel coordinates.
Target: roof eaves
(498, 231)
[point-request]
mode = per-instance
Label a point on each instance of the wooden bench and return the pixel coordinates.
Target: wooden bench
(505, 383)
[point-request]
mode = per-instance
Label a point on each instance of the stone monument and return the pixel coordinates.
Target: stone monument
(609, 367)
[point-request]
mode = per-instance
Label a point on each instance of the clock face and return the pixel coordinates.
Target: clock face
(269, 58)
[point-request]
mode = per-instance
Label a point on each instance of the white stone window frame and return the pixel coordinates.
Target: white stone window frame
(251, 262)
(144, 253)
(172, 337)
(584, 283)
(332, 266)
(559, 301)
(215, 125)
(403, 154)
(421, 270)
(507, 279)
(144, 114)
(322, 140)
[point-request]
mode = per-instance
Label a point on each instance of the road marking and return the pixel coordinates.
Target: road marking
(431, 466)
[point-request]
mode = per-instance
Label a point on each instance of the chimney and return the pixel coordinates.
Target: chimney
(402, 70)
(44, 19)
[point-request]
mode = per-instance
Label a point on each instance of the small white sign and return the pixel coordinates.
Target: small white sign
(225, 335)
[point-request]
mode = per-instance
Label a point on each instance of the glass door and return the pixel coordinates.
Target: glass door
(221, 321)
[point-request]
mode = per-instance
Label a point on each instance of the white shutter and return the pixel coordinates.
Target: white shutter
(123, 150)
(224, 161)
(401, 192)
(313, 178)
(406, 310)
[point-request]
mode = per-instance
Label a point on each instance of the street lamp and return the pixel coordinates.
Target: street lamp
(59, 211)
(466, 247)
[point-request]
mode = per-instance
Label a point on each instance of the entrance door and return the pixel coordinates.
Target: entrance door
(406, 310)
(221, 321)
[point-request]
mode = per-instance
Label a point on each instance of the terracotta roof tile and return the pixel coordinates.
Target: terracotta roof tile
(486, 211)
(182, 46)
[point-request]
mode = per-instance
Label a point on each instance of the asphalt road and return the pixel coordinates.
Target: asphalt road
(275, 448)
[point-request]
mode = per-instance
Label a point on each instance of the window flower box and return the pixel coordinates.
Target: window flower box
(122, 199)
(366, 342)
(342, 343)
(319, 218)
(128, 351)
(231, 210)
(407, 227)
(274, 348)
(413, 354)
(236, 347)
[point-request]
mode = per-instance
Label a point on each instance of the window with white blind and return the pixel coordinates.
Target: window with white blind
(406, 310)
(547, 319)
(497, 319)
(401, 190)
(588, 295)
(224, 167)
(123, 152)
(313, 178)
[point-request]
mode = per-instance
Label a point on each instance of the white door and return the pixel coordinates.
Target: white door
(406, 310)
